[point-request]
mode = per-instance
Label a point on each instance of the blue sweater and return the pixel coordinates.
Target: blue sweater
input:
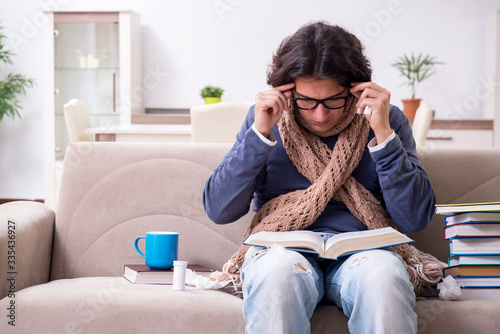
(254, 170)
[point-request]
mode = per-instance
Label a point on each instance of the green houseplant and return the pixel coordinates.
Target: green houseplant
(11, 86)
(211, 94)
(415, 69)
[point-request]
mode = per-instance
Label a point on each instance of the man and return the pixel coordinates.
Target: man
(323, 150)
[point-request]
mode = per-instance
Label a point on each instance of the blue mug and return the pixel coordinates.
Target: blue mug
(160, 250)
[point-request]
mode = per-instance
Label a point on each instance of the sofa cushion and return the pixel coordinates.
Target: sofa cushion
(113, 305)
(434, 316)
(459, 316)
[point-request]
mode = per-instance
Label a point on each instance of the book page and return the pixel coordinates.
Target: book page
(291, 239)
(357, 234)
(350, 242)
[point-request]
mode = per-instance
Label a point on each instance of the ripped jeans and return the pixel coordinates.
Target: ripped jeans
(281, 289)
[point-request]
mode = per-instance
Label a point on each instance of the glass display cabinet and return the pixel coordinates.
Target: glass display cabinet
(95, 58)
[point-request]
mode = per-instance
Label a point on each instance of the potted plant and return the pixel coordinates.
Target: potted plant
(415, 69)
(211, 94)
(11, 86)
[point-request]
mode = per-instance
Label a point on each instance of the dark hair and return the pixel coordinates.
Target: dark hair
(321, 51)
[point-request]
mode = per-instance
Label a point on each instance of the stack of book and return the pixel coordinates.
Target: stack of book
(474, 233)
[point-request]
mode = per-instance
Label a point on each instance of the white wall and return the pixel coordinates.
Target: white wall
(187, 44)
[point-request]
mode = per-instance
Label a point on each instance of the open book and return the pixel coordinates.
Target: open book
(338, 245)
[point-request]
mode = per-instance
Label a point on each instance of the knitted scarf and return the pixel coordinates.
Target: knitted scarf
(329, 171)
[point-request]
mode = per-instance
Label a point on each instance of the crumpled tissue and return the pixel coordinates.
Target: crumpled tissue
(449, 289)
(202, 282)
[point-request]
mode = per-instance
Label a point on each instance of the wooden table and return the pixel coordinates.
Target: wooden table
(143, 133)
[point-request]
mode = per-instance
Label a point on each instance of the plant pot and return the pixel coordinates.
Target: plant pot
(210, 100)
(410, 107)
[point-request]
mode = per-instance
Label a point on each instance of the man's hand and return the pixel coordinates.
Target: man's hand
(269, 106)
(377, 98)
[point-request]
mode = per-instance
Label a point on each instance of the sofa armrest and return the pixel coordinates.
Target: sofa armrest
(26, 236)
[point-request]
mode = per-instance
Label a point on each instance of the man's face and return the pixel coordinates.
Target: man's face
(319, 118)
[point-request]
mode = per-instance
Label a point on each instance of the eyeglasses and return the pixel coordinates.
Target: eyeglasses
(329, 103)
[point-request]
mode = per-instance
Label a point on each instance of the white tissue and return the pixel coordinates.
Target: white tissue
(367, 111)
(449, 289)
(202, 282)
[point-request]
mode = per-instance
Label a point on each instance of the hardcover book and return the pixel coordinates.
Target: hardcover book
(480, 293)
(472, 217)
(141, 273)
(478, 282)
(472, 230)
(475, 246)
(337, 245)
(474, 260)
(472, 270)
(451, 209)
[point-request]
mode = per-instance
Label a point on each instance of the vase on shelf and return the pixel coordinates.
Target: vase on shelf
(410, 107)
(210, 100)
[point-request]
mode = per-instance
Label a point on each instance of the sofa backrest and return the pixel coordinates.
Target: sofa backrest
(112, 193)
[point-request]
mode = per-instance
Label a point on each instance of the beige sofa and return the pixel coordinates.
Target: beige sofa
(66, 277)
